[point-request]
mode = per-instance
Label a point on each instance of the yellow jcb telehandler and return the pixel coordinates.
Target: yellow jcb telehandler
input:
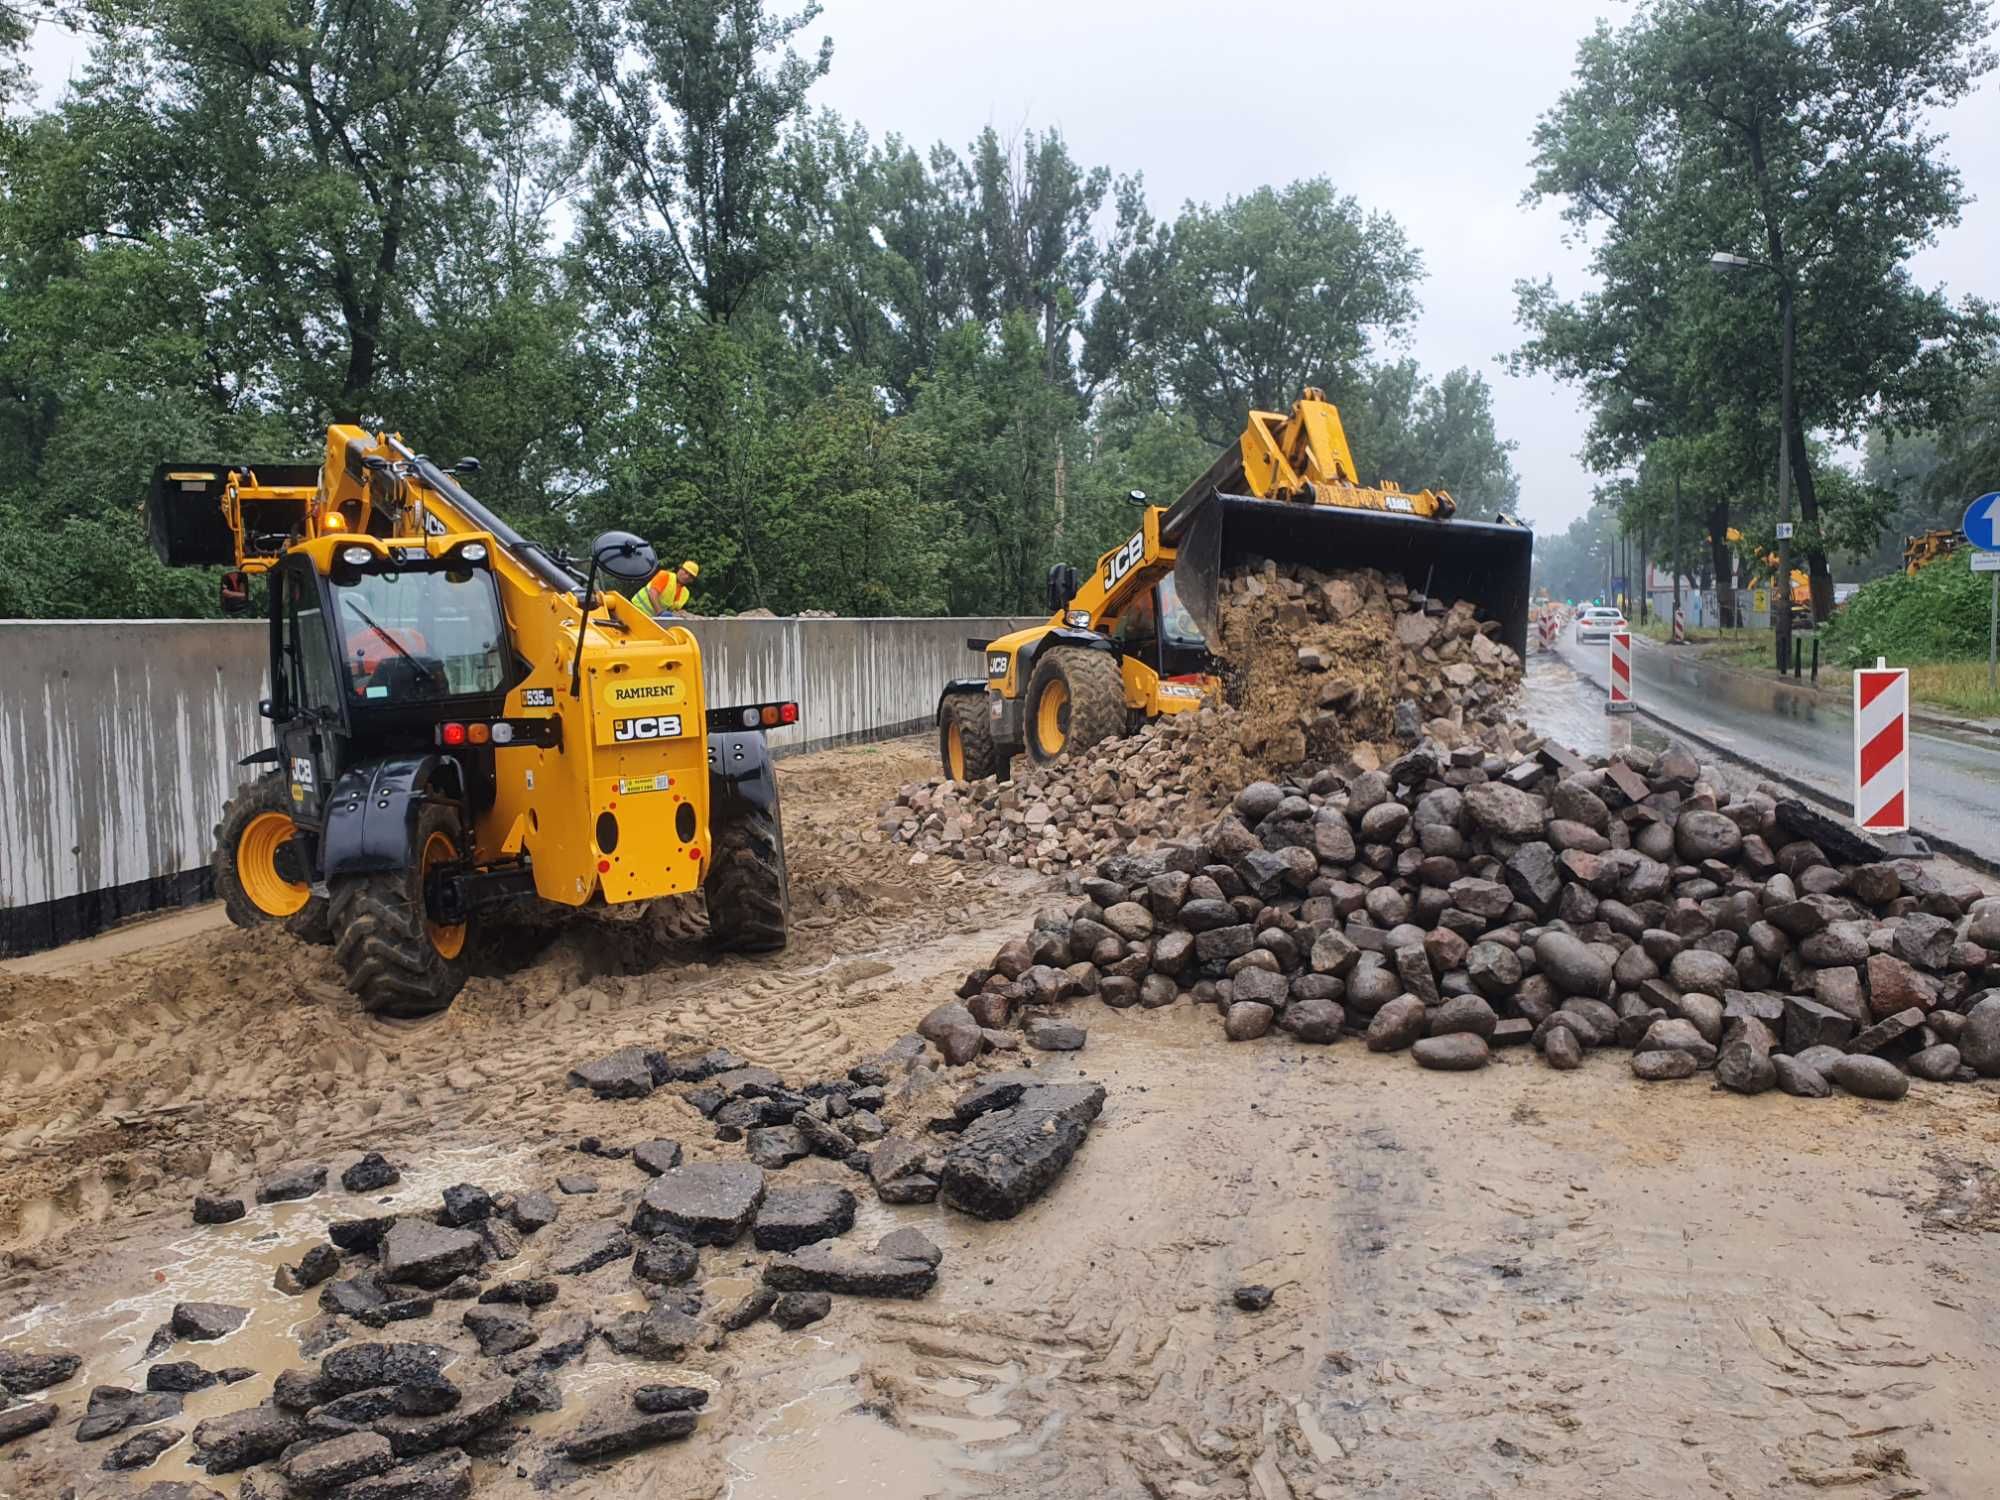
(1140, 636)
(461, 722)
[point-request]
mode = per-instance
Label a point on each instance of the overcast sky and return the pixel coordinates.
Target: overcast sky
(1422, 109)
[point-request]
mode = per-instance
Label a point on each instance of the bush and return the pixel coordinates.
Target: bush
(1939, 615)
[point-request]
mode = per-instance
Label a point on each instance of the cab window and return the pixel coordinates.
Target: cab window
(417, 636)
(1139, 626)
(307, 652)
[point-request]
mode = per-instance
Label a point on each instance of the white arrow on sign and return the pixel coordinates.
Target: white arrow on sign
(1982, 522)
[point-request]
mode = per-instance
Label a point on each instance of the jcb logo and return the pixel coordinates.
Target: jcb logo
(1124, 560)
(996, 666)
(302, 770)
(664, 727)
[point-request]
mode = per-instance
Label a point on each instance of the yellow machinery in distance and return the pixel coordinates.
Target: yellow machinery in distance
(460, 722)
(1922, 550)
(1139, 637)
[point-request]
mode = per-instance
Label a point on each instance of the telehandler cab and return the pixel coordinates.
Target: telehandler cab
(460, 722)
(1141, 636)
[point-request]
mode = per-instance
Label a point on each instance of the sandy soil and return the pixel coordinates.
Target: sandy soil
(1514, 1282)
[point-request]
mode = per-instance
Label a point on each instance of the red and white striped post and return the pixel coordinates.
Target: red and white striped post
(1621, 674)
(1882, 748)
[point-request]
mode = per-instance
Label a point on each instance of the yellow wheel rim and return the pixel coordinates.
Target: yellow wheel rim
(1052, 718)
(449, 940)
(257, 866)
(954, 741)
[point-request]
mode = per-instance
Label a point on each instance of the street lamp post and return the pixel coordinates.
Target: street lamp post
(1781, 586)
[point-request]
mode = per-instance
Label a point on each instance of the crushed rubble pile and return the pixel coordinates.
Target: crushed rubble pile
(1459, 900)
(1318, 664)
(439, 1332)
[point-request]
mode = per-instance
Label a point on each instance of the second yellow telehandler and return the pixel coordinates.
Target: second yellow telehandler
(1139, 637)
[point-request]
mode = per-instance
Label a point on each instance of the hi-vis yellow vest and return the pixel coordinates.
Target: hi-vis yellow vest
(666, 592)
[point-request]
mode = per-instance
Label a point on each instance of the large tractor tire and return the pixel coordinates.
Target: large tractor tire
(398, 962)
(256, 824)
(965, 739)
(748, 891)
(1076, 699)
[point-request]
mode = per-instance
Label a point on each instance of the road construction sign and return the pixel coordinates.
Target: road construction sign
(1620, 701)
(1882, 748)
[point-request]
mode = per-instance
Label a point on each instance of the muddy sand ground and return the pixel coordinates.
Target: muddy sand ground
(1515, 1282)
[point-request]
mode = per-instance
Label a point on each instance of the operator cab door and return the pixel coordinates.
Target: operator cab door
(1157, 630)
(306, 700)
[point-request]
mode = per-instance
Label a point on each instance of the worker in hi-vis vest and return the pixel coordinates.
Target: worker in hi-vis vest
(668, 593)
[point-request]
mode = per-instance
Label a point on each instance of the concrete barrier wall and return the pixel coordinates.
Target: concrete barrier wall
(119, 739)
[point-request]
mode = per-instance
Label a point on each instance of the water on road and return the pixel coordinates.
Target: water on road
(1781, 731)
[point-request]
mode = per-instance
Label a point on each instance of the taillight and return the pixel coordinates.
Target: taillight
(477, 733)
(452, 734)
(788, 713)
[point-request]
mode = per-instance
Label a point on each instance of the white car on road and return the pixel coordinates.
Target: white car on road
(1596, 622)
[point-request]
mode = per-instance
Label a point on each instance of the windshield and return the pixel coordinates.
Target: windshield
(1177, 624)
(408, 637)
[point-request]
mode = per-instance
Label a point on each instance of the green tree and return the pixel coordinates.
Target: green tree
(1793, 131)
(1968, 449)
(1006, 443)
(684, 104)
(1239, 308)
(1422, 434)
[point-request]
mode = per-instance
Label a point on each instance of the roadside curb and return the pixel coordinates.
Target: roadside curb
(1805, 789)
(1990, 728)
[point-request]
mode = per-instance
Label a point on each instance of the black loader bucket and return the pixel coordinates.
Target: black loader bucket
(184, 512)
(1479, 561)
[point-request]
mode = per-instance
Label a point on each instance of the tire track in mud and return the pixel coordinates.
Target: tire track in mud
(215, 1059)
(1513, 1283)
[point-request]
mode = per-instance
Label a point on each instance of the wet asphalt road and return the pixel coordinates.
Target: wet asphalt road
(1954, 777)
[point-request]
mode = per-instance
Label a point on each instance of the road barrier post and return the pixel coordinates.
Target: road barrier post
(1882, 748)
(1620, 701)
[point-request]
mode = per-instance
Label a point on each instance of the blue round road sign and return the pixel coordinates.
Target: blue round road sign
(1982, 522)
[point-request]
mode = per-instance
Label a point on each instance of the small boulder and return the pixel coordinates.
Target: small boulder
(795, 1310)
(1657, 1067)
(1870, 1077)
(370, 1174)
(791, 1217)
(1459, 1052)
(291, 1184)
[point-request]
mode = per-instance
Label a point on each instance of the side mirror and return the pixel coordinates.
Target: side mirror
(1062, 585)
(235, 593)
(1137, 497)
(624, 558)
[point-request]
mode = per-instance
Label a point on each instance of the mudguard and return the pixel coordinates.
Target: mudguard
(960, 687)
(371, 815)
(1060, 635)
(740, 776)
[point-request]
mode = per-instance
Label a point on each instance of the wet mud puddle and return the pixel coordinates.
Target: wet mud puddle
(236, 1265)
(865, 1432)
